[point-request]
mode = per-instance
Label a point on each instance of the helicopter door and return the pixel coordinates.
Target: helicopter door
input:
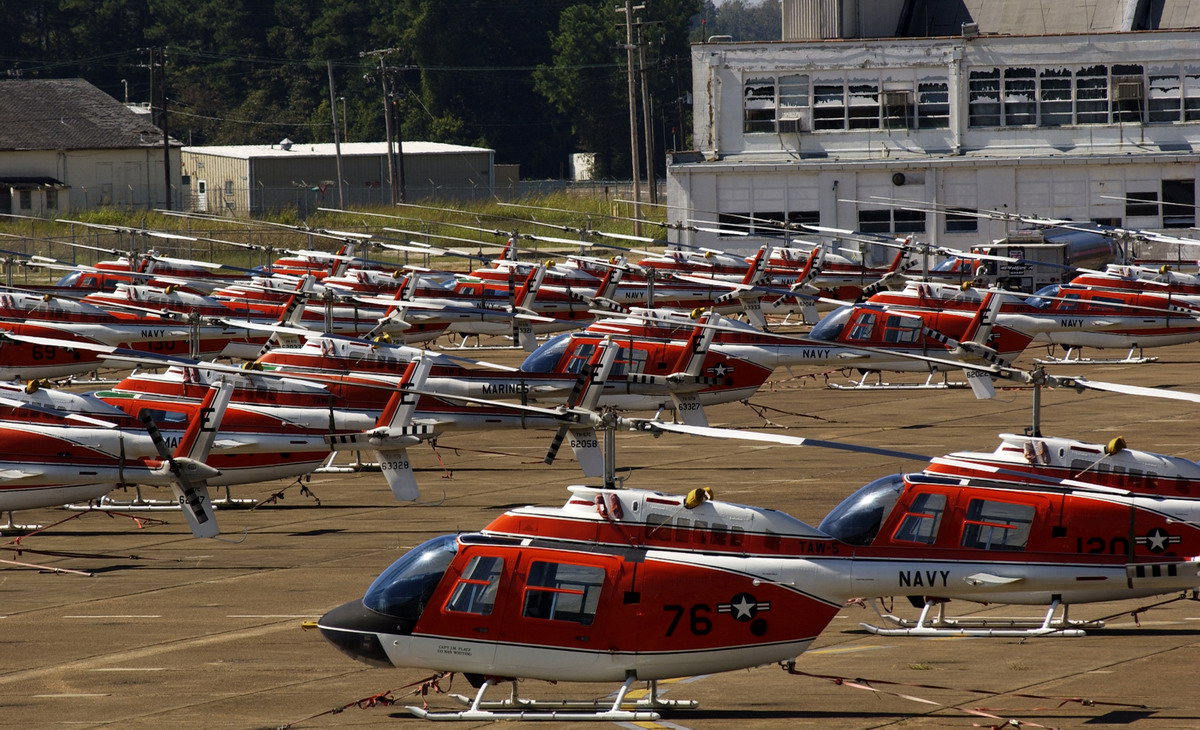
(559, 601)
(863, 325)
(471, 601)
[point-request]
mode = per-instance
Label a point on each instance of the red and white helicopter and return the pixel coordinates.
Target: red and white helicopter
(629, 585)
(864, 337)
(46, 462)
(1070, 316)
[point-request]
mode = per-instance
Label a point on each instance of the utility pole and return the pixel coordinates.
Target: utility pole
(633, 125)
(647, 122)
(158, 106)
(395, 179)
(337, 140)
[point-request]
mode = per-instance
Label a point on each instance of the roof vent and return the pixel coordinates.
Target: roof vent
(285, 144)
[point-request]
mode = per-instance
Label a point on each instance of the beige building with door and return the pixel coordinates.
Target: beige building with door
(67, 146)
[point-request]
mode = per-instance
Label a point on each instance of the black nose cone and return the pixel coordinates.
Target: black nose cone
(354, 629)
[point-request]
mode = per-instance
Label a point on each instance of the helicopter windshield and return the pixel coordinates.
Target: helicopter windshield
(70, 280)
(1038, 300)
(859, 516)
(403, 589)
(545, 358)
(830, 326)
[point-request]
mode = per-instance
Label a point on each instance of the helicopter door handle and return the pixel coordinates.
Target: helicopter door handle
(481, 629)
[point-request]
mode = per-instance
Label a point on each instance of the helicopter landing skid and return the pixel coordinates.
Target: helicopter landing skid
(929, 383)
(941, 625)
(518, 708)
(9, 526)
(1066, 359)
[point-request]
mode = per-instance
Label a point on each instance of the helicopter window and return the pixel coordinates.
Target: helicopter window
(997, 525)
(830, 327)
(1079, 466)
(629, 361)
(563, 592)
(859, 516)
(165, 416)
(476, 589)
(863, 326)
(545, 358)
(902, 329)
(580, 358)
(922, 519)
(404, 588)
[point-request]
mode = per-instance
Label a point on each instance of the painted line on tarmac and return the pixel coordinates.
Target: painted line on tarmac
(273, 615)
(848, 649)
(142, 652)
(117, 615)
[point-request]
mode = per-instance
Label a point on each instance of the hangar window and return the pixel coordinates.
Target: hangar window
(961, 223)
(768, 100)
(933, 105)
(829, 106)
(1091, 95)
(1020, 97)
(1139, 204)
(759, 105)
(1179, 203)
(1191, 93)
(983, 100)
(1164, 89)
(1055, 96)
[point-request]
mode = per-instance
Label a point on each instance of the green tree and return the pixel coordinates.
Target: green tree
(471, 79)
(588, 81)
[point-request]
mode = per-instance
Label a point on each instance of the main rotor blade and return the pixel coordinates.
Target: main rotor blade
(727, 433)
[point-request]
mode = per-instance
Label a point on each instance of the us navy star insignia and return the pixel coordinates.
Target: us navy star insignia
(743, 607)
(721, 369)
(1157, 540)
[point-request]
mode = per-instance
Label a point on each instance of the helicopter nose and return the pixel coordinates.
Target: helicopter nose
(354, 629)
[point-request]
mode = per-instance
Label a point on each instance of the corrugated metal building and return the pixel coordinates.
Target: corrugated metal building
(241, 180)
(1099, 119)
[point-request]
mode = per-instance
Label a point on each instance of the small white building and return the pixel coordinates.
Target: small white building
(67, 146)
(242, 180)
(1089, 126)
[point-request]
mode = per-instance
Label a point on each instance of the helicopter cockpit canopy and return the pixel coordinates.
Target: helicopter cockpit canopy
(402, 590)
(546, 357)
(858, 518)
(829, 329)
(1039, 298)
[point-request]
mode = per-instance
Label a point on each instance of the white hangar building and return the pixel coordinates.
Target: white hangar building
(1029, 107)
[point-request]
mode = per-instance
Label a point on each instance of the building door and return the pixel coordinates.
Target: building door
(201, 196)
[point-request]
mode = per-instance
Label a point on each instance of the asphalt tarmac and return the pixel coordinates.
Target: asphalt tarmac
(174, 632)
